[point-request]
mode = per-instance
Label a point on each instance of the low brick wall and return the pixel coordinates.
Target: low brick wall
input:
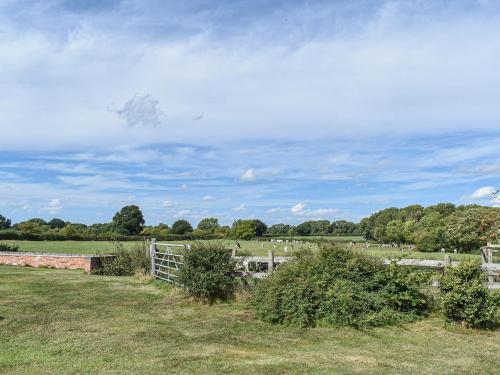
(52, 260)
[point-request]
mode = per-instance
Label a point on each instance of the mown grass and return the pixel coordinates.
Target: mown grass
(247, 247)
(66, 322)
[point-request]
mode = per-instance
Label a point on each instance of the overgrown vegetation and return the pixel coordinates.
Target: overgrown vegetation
(340, 287)
(465, 296)
(443, 225)
(8, 247)
(125, 262)
(208, 273)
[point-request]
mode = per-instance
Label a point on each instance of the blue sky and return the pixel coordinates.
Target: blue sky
(282, 110)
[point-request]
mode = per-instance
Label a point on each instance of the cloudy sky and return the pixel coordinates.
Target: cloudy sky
(282, 110)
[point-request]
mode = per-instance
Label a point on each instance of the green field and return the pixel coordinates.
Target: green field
(248, 247)
(66, 322)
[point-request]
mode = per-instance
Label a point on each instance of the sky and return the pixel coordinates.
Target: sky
(280, 110)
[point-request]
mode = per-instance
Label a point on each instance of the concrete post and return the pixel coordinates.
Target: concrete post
(447, 261)
(270, 262)
(234, 252)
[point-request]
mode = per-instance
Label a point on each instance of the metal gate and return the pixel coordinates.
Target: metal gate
(167, 260)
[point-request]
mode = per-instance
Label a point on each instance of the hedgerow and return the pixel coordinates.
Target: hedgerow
(208, 273)
(340, 287)
(465, 297)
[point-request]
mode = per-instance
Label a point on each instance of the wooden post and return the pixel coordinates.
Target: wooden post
(234, 252)
(447, 261)
(270, 262)
(152, 252)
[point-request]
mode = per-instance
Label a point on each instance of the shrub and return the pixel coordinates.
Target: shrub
(340, 287)
(208, 273)
(7, 247)
(125, 262)
(466, 298)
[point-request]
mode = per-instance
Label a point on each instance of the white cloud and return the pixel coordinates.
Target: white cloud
(208, 198)
(484, 192)
(184, 187)
(54, 206)
(141, 111)
(298, 208)
(249, 175)
(239, 208)
(168, 204)
(182, 213)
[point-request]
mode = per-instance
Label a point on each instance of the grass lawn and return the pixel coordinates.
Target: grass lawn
(71, 247)
(250, 247)
(66, 322)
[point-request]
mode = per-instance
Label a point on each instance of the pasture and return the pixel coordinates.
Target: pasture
(66, 322)
(247, 247)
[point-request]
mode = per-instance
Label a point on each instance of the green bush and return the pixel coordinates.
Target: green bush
(125, 262)
(340, 287)
(7, 247)
(465, 297)
(208, 273)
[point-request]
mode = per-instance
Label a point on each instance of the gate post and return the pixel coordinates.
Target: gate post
(152, 252)
(270, 262)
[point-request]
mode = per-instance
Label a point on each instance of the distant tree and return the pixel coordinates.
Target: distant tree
(129, 220)
(260, 228)
(279, 230)
(471, 227)
(429, 232)
(244, 229)
(395, 231)
(182, 227)
(248, 229)
(4, 222)
(209, 224)
(56, 224)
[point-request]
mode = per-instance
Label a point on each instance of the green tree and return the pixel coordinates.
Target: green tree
(182, 227)
(279, 230)
(244, 229)
(4, 222)
(56, 224)
(395, 231)
(469, 228)
(129, 220)
(209, 224)
(429, 232)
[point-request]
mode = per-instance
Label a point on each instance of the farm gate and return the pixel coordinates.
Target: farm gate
(167, 260)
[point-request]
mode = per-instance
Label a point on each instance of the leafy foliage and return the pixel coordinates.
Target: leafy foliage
(7, 247)
(248, 229)
(125, 262)
(466, 298)
(129, 220)
(208, 273)
(209, 224)
(181, 227)
(338, 286)
(4, 222)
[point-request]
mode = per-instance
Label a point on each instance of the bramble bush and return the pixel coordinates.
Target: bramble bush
(126, 262)
(465, 297)
(340, 287)
(7, 247)
(208, 273)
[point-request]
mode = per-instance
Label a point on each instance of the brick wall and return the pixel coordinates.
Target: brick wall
(69, 261)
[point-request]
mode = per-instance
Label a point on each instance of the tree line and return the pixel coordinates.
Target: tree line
(129, 221)
(430, 228)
